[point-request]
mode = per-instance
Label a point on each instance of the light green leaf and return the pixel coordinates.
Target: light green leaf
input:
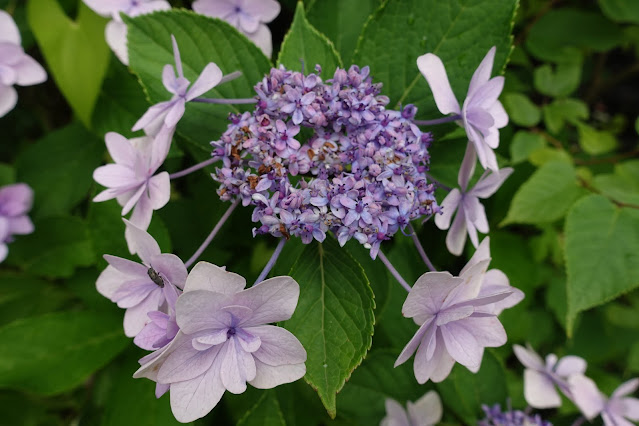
(541, 156)
(561, 81)
(595, 142)
(523, 144)
(602, 253)
(22, 296)
(560, 111)
(362, 399)
(341, 21)
(555, 36)
(54, 353)
(633, 358)
(521, 110)
(546, 196)
(334, 317)
(304, 47)
(621, 10)
(618, 186)
(460, 32)
(75, 51)
(464, 392)
(201, 40)
(57, 246)
(59, 168)
(265, 412)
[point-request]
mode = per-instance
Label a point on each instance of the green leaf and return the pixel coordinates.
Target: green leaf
(363, 397)
(334, 317)
(304, 47)
(201, 40)
(560, 111)
(511, 254)
(460, 32)
(633, 358)
(546, 196)
(621, 10)
(22, 296)
(75, 51)
(59, 168)
(341, 21)
(54, 353)
(7, 174)
(619, 186)
(545, 155)
(555, 36)
(595, 142)
(446, 156)
(602, 253)
(464, 392)
(55, 249)
(120, 104)
(521, 110)
(265, 412)
(523, 144)
(561, 81)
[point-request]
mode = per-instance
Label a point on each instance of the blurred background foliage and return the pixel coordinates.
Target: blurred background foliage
(564, 227)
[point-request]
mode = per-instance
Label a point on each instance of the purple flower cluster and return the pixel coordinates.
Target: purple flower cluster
(320, 156)
(495, 417)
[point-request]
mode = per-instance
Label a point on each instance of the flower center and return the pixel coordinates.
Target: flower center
(230, 332)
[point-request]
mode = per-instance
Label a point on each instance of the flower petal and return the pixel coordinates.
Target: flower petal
(539, 390)
(265, 10)
(237, 366)
(116, 37)
(272, 300)
(395, 414)
(483, 71)
(427, 410)
(268, 376)
(206, 276)
(159, 187)
(142, 243)
(278, 346)
(109, 281)
(626, 388)
(449, 206)
(8, 99)
(428, 293)
(586, 396)
(152, 114)
(199, 310)
(488, 185)
(456, 237)
(29, 72)
(186, 363)
(434, 72)
(262, 39)
(171, 266)
(136, 318)
(414, 343)
(570, 365)
(208, 79)
(461, 345)
(9, 32)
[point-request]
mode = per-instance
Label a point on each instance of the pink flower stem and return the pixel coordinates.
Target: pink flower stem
(193, 168)
(231, 76)
(215, 230)
(393, 271)
(442, 120)
(271, 261)
(225, 101)
(420, 249)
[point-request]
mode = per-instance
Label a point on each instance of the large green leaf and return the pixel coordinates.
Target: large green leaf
(341, 21)
(59, 168)
(460, 32)
(75, 51)
(304, 47)
(56, 352)
(464, 392)
(201, 40)
(265, 412)
(363, 396)
(546, 196)
(621, 10)
(23, 296)
(602, 253)
(334, 317)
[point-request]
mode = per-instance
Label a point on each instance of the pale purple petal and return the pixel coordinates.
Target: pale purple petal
(278, 346)
(136, 318)
(120, 149)
(482, 253)
(208, 79)
(107, 8)
(427, 410)
(115, 176)
(16, 199)
(395, 414)
(8, 99)
(612, 419)
(429, 293)
(631, 406)
(175, 113)
(109, 281)
(528, 357)
(473, 279)
(206, 276)
(198, 310)
(266, 10)
(456, 237)
(150, 334)
(483, 71)
(272, 300)
(414, 343)
(489, 184)
(142, 213)
(237, 366)
(539, 390)
(569, 365)
(268, 376)
(214, 8)
(487, 330)
(115, 34)
(461, 345)
(467, 168)
(262, 39)
(586, 396)
(438, 367)
(149, 6)
(449, 205)
(126, 266)
(152, 114)
(150, 364)
(434, 72)
(186, 363)
(20, 225)
(626, 388)
(9, 32)
(29, 72)
(159, 188)
(499, 115)
(171, 266)
(142, 243)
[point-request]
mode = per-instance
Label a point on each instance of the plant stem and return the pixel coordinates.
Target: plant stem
(438, 183)
(393, 271)
(443, 120)
(193, 168)
(271, 261)
(420, 248)
(229, 77)
(225, 101)
(215, 230)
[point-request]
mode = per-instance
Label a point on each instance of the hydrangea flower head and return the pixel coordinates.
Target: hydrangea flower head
(15, 202)
(16, 67)
(116, 31)
(132, 179)
(224, 340)
(144, 287)
(541, 377)
(481, 115)
(360, 174)
(166, 115)
(471, 216)
(426, 411)
(496, 417)
(248, 16)
(618, 410)
(457, 318)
